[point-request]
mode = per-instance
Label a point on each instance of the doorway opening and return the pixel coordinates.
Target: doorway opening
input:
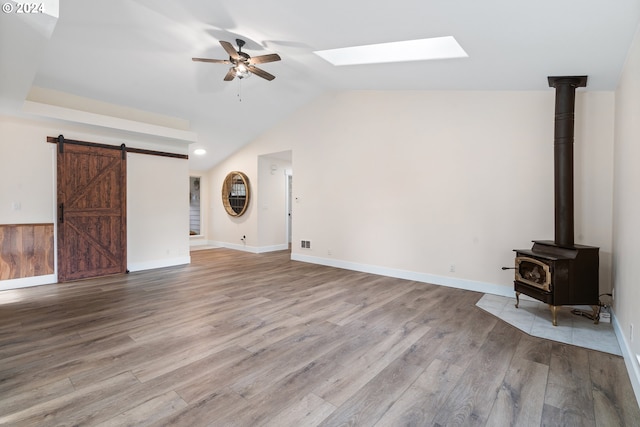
(195, 213)
(275, 178)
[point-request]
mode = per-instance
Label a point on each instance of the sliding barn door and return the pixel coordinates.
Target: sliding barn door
(91, 211)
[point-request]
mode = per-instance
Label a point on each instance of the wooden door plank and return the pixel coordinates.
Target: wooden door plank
(92, 212)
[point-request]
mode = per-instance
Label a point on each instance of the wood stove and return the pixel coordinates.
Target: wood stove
(559, 272)
(558, 275)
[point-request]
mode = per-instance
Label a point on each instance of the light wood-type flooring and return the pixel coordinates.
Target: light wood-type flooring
(239, 339)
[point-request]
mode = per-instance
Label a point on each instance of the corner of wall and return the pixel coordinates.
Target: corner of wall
(630, 361)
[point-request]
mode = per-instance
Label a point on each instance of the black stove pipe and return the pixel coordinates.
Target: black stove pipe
(563, 156)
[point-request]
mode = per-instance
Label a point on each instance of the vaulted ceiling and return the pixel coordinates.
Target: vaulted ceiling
(137, 53)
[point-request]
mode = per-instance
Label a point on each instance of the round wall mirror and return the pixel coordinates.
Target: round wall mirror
(235, 193)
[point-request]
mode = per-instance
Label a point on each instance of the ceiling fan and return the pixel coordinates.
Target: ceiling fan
(242, 64)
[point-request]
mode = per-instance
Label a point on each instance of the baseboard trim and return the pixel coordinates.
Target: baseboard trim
(630, 361)
(202, 244)
(251, 249)
(160, 263)
(273, 248)
(52, 278)
(451, 282)
(26, 282)
(198, 242)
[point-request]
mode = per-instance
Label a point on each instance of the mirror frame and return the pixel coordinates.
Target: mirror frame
(226, 190)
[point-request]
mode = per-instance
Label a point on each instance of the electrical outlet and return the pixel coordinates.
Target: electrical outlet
(452, 268)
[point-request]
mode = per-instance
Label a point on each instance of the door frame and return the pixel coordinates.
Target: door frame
(289, 201)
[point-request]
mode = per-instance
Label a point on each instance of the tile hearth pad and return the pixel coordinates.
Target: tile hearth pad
(534, 318)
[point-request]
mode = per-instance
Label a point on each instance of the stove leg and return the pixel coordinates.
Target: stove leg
(517, 299)
(554, 314)
(596, 314)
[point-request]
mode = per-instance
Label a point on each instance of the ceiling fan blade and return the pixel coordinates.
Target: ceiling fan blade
(230, 75)
(261, 73)
(215, 61)
(264, 58)
(230, 50)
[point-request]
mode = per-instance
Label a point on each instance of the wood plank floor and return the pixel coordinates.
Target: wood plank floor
(238, 339)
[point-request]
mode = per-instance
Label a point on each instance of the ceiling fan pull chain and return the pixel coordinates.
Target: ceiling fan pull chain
(239, 90)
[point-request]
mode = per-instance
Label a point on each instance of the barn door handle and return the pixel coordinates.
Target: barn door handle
(61, 213)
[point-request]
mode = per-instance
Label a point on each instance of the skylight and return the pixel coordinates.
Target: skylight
(410, 50)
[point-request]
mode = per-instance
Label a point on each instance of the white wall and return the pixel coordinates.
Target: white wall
(223, 229)
(27, 173)
(626, 211)
(593, 174)
(264, 221)
(411, 184)
(157, 188)
(157, 211)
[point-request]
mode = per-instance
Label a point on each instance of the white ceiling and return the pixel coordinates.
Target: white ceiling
(137, 53)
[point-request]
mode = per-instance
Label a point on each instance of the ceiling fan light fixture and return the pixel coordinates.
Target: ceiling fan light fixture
(241, 71)
(410, 50)
(242, 64)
